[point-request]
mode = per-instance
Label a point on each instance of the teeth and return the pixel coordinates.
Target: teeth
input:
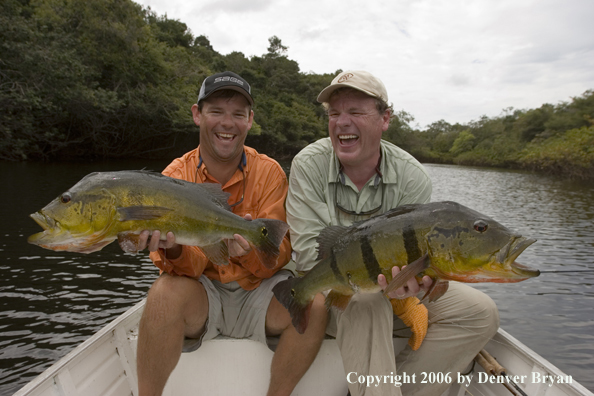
(225, 135)
(345, 137)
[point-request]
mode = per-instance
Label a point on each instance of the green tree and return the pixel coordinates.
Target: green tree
(463, 143)
(276, 47)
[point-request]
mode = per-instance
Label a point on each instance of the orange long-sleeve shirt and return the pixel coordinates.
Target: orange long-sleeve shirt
(265, 192)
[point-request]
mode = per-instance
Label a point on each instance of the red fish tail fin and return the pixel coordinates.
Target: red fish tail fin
(298, 307)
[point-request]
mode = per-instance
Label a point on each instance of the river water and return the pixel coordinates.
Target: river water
(52, 301)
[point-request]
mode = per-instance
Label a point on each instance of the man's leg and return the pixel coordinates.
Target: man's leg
(363, 332)
(176, 307)
(295, 352)
(461, 322)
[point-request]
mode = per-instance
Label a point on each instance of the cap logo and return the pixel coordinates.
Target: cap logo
(232, 79)
(345, 77)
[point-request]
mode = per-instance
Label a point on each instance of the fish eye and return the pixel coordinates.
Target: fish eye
(65, 198)
(480, 226)
(264, 231)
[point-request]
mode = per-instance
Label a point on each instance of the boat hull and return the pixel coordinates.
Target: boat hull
(105, 365)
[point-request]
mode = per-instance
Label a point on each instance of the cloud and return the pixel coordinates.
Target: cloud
(460, 79)
(235, 6)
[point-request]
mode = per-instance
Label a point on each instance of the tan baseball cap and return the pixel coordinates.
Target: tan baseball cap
(359, 80)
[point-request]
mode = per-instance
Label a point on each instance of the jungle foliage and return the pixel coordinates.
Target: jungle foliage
(109, 78)
(556, 139)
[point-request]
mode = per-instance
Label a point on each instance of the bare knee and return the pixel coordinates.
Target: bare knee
(176, 298)
(278, 318)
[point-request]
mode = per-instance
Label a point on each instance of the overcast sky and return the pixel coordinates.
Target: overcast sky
(451, 59)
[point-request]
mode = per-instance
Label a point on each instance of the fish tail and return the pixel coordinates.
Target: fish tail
(288, 296)
(270, 234)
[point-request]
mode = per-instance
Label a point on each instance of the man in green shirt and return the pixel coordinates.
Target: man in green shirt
(351, 176)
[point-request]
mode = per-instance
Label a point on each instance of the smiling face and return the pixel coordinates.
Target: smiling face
(355, 127)
(224, 123)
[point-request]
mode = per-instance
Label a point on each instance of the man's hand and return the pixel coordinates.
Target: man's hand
(412, 288)
(172, 249)
(239, 246)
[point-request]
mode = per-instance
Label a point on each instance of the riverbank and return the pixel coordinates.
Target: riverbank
(570, 154)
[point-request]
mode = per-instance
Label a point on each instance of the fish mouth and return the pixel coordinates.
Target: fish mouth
(510, 252)
(44, 221)
(54, 237)
(51, 229)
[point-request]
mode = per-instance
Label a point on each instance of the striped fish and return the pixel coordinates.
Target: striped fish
(444, 240)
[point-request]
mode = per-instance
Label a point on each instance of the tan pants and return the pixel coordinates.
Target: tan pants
(461, 322)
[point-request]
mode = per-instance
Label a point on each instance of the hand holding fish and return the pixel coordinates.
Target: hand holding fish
(412, 288)
(239, 246)
(172, 249)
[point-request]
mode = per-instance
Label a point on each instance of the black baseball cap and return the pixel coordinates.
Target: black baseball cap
(225, 80)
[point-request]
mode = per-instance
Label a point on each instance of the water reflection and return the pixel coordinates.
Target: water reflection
(52, 301)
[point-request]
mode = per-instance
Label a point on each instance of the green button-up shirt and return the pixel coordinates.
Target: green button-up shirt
(315, 187)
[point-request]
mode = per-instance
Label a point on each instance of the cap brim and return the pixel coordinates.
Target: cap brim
(324, 96)
(234, 88)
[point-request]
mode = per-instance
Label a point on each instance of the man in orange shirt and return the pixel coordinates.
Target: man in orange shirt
(195, 300)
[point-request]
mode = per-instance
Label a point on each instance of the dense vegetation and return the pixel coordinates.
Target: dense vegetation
(108, 78)
(556, 139)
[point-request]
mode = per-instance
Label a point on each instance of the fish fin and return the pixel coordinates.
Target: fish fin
(217, 195)
(284, 292)
(338, 300)
(129, 242)
(397, 211)
(92, 248)
(218, 253)
(142, 212)
(327, 239)
(411, 270)
(271, 234)
(401, 210)
(438, 289)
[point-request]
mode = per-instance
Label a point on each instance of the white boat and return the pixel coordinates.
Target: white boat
(105, 365)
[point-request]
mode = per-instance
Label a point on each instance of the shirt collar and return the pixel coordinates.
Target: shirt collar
(381, 168)
(237, 176)
(241, 166)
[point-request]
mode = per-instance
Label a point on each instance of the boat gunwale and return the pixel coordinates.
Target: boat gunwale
(55, 368)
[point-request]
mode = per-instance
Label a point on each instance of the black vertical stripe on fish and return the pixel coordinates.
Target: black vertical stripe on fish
(371, 263)
(411, 245)
(335, 269)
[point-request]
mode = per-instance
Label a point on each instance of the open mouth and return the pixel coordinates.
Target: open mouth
(510, 253)
(44, 221)
(226, 137)
(348, 140)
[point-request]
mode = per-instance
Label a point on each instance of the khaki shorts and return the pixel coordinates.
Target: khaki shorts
(235, 312)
